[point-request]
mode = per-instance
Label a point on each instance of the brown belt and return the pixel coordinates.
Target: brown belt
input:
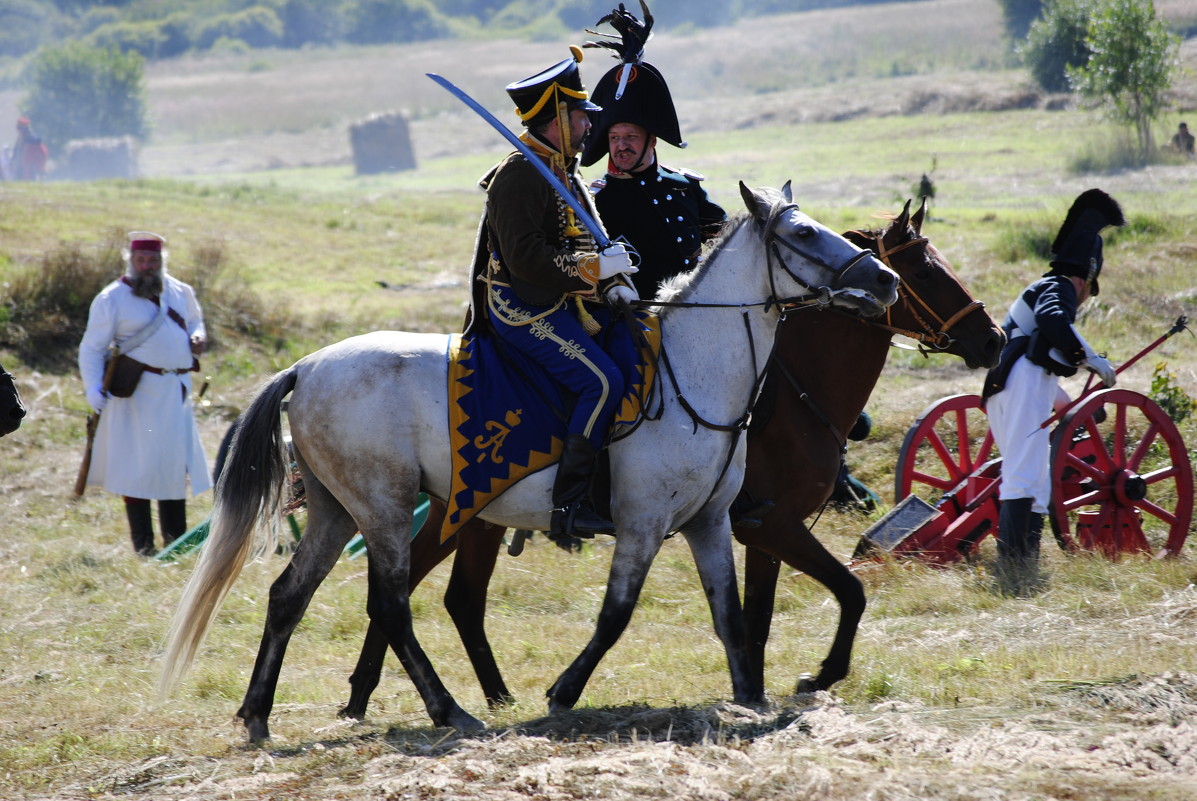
(160, 371)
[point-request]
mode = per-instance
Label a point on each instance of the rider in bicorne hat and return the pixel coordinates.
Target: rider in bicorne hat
(663, 212)
(1020, 393)
(542, 286)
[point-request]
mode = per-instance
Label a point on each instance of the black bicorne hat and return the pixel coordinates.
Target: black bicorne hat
(536, 98)
(1077, 249)
(634, 91)
(645, 101)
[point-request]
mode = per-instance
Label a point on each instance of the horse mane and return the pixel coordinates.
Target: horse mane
(679, 287)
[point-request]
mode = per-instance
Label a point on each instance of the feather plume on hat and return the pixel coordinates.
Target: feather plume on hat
(633, 33)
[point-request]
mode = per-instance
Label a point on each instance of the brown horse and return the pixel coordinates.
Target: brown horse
(12, 411)
(795, 449)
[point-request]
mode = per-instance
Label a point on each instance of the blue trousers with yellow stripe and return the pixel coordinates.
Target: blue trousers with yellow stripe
(577, 361)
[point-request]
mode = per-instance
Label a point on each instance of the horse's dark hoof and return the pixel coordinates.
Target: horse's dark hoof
(258, 731)
(807, 684)
(353, 711)
(464, 723)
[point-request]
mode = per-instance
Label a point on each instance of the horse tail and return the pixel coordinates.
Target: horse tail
(248, 492)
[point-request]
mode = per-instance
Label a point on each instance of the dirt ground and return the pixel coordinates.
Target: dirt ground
(1132, 740)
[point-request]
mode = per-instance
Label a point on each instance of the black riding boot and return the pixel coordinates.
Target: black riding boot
(1019, 532)
(573, 513)
(172, 518)
(141, 525)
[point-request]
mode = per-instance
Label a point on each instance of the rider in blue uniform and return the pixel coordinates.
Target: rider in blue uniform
(543, 287)
(1020, 393)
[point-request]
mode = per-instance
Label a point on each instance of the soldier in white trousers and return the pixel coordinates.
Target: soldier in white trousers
(1022, 391)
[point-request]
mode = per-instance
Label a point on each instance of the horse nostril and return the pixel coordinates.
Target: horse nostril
(18, 413)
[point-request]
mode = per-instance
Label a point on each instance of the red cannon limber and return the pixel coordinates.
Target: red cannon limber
(1122, 479)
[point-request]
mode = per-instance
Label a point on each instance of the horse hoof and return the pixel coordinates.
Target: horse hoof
(352, 712)
(806, 684)
(465, 723)
(258, 731)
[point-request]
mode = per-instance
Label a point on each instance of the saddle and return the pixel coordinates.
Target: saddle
(507, 417)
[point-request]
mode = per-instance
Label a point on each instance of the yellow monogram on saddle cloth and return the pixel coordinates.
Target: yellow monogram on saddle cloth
(503, 427)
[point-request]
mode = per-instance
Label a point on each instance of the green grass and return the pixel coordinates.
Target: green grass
(83, 619)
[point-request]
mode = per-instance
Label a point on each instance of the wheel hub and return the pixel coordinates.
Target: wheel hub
(1130, 487)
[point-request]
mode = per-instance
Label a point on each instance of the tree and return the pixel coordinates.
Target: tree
(1017, 16)
(1056, 42)
(79, 92)
(1133, 61)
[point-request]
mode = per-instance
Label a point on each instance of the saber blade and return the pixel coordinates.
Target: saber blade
(583, 214)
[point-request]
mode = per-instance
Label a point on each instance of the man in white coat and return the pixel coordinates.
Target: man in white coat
(147, 446)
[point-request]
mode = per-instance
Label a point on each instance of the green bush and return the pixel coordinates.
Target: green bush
(78, 92)
(1017, 16)
(23, 24)
(257, 26)
(1056, 42)
(309, 22)
(143, 38)
(385, 21)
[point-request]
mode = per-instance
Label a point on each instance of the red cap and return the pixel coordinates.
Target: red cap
(22, 121)
(146, 244)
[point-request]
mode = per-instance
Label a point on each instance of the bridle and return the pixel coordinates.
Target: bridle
(936, 337)
(818, 296)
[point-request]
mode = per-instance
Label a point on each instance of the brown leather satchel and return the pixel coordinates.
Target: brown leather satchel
(121, 375)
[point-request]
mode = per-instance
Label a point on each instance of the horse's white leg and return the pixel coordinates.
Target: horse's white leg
(329, 527)
(710, 542)
(634, 553)
(389, 606)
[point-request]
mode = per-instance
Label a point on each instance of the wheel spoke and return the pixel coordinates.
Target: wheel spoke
(1128, 532)
(1157, 511)
(1149, 436)
(945, 456)
(1084, 468)
(1105, 462)
(937, 482)
(1087, 499)
(962, 442)
(1163, 474)
(1120, 434)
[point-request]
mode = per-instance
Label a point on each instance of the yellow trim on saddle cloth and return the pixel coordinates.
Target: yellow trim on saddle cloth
(460, 369)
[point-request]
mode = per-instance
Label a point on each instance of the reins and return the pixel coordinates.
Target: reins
(817, 296)
(938, 336)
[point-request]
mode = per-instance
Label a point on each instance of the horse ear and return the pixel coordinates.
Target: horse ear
(758, 205)
(917, 220)
(903, 219)
(787, 193)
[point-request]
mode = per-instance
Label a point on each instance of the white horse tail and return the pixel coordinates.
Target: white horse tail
(248, 492)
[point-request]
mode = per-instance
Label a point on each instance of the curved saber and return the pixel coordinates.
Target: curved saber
(583, 214)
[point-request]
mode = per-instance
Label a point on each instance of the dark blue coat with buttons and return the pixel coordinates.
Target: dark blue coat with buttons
(665, 214)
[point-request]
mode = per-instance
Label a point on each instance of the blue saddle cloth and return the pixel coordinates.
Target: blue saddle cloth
(507, 417)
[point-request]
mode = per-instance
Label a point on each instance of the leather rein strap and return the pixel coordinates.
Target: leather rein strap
(938, 336)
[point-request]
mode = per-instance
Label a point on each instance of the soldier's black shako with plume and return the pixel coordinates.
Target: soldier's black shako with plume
(1076, 250)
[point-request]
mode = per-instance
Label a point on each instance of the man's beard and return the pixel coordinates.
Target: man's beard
(147, 284)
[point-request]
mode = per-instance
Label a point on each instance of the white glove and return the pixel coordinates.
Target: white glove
(97, 400)
(619, 295)
(613, 260)
(1101, 365)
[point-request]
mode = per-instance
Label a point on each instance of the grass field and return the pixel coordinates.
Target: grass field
(1085, 691)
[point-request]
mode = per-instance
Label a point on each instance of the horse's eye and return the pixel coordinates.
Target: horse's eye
(804, 231)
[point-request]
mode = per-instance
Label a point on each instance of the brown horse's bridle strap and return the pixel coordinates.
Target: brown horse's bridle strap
(938, 336)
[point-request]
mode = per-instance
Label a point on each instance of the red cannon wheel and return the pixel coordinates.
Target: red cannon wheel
(1124, 484)
(949, 441)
